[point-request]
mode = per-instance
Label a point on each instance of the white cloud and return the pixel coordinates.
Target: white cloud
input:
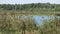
(28, 1)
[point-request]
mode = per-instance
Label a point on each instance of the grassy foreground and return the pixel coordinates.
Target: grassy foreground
(10, 24)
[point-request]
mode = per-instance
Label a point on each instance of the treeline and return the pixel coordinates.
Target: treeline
(31, 7)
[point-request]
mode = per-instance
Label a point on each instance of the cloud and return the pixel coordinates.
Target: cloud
(28, 1)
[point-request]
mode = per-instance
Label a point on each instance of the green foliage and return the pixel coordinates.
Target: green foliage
(30, 7)
(9, 23)
(50, 27)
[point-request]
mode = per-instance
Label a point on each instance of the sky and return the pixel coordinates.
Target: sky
(28, 1)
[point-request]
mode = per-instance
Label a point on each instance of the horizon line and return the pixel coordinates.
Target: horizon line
(28, 3)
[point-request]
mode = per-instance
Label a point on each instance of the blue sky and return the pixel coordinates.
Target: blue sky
(28, 1)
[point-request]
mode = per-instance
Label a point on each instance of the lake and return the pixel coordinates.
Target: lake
(39, 19)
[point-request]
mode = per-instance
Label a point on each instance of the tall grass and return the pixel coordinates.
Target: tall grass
(10, 24)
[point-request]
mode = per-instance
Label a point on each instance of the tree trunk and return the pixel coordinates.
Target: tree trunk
(22, 31)
(33, 31)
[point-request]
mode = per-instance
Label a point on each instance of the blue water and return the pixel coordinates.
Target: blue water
(39, 19)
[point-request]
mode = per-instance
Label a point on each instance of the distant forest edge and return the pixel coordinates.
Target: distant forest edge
(33, 7)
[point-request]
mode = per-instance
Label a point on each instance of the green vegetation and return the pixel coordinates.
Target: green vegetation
(11, 21)
(10, 24)
(50, 27)
(31, 9)
(34, 7)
